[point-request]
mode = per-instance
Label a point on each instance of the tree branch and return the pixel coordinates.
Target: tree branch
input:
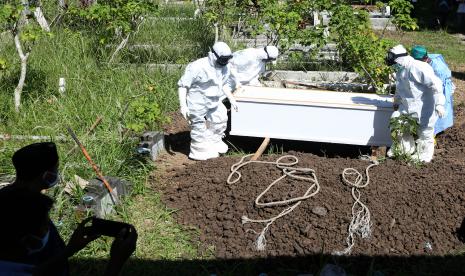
(120, 46)
(22, 78)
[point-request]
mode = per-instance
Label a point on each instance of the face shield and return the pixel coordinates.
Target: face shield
(391, 58)
(268, 58)
(222, 60)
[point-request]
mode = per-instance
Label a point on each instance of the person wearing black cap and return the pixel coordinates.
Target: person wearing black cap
(25, 233)
(29, 241)
(36, 166)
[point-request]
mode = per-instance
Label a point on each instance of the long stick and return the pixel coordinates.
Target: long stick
(261, 149)
(94, 166)
(94, 125)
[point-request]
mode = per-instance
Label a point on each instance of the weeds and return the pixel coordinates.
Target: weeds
(92, 90)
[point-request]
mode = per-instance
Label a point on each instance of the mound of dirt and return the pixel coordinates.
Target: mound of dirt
(414, 211)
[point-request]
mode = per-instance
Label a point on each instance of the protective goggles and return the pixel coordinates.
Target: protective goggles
(391, 58)
(268, 58)
(222, 60)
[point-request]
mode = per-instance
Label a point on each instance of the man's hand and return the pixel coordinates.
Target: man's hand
(441, 111)
(121, 249)
(124, 244)
(80, 238)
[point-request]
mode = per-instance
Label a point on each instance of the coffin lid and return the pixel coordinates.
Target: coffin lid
(323, 98)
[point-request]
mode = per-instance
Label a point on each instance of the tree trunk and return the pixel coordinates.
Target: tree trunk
(23, 57)
(41, 19)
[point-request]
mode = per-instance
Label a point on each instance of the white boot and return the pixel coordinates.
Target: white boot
(425, 150)
(220, 146)
(202, 151)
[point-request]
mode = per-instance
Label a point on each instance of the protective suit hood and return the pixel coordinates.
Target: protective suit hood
(269, 53)
(394, 54)
(220, 54)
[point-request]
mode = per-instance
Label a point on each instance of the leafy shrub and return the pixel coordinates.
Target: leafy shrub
(145, 114)
(359, 47)
(401, 10)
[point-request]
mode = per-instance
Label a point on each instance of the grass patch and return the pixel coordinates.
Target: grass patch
(92, 90)
(173, 10)
(169, 41)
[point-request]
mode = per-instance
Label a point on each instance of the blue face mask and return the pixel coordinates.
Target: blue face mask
(43, 242)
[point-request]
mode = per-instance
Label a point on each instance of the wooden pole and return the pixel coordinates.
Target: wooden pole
(94, 125)
(261, 149)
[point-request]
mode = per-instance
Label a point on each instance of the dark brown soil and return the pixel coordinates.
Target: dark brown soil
(409, 206)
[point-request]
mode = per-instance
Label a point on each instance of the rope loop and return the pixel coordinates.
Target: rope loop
(285, 163)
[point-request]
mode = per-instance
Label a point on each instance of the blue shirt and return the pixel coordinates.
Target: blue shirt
(443, 72)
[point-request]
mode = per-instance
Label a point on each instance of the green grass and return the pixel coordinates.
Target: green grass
(174, 10)
(92, 90)
(170, 41)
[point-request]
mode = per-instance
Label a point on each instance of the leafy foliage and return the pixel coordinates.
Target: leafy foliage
(402, 125)
(9, 15)
(401, 10)
(111, 19)
(284, 23)
(145, 114)
(3, 64)
(359, 46)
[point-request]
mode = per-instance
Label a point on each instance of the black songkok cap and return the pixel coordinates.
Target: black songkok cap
(35, 159)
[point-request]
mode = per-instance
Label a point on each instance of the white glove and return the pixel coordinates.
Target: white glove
(230, 97)
(441, 111)
(233, 103)
(184, 111)
(182, 93)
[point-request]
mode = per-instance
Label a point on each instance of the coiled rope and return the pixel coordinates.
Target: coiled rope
(288, 170)
(361, 217)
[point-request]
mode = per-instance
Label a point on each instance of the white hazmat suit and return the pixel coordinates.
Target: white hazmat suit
(418, 93)
(247, 65)
(200, 91)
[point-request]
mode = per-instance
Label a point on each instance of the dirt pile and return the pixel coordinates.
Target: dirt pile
(413, 210)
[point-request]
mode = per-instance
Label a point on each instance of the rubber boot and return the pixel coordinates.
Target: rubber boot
(425, 150)
(220, 146)
(202, 151)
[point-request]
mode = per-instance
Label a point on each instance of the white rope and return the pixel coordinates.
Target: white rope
(306, 174)
(361, 217)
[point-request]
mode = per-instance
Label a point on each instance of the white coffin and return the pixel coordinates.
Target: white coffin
(313, 115)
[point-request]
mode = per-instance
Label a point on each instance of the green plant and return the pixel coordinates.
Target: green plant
(3, 64)
(358, 45)
(222, 13)
(145, 115)
(401, 10)
(286, 23)
(405, 124)
(380, 5)
(112, 20)
(14, 18)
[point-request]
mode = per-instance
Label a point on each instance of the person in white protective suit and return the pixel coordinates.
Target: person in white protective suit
(247, 65)
(204, 83)
(418, 93)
